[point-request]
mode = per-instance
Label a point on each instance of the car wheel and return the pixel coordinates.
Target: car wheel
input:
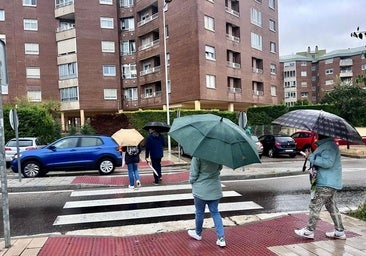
(31, 169)
(292, 155)
(271, 153)
(181, 151)
(106, 166)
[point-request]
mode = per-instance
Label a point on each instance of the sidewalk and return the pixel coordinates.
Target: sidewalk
(261, 234)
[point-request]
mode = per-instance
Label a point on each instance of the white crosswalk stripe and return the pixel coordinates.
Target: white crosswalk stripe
(123, 197)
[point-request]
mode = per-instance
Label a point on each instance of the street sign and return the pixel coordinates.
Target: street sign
(13, 118)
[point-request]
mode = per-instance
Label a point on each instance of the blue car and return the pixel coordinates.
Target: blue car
(84, 152)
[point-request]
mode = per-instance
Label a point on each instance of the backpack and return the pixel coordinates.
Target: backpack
(132, 150)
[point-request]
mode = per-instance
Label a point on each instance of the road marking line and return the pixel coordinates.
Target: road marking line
(147, 213)
(136, 200)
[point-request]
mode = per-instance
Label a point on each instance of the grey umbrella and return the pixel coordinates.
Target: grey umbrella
(320, 122)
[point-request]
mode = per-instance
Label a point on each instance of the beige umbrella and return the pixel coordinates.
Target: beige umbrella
(127, 137)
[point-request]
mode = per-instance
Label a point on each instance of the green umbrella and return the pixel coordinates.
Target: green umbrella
(214, 139)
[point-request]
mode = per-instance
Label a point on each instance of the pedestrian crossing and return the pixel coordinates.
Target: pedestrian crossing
(99, 205)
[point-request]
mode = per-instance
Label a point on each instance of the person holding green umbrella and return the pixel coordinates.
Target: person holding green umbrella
(206, 189)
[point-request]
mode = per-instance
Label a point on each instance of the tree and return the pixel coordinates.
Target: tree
(349, 102)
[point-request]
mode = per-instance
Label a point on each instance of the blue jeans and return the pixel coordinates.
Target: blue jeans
(133, 173)
(215, 214)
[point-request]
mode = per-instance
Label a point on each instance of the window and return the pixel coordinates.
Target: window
(29, 2)
(271, 4)
(272, 47)
(209, 23)
(304, 94)
(108, 46)
(67, 71)
(110, 94)
(128, 47)
(304, 84)
(329, 71)
(30, 24)
(273, 69)
(110, 2)
(126, 3)
(2, 15)
(131, 94)
(273, 90)
(109, 70)
(363, 67)
(31, 48)
(256, 41)
(33, 72)
(272, 25)
(304, 73)
(106, 23)
(329, 82)
(210, 52)
(34, 96)
(129, 71)
(69, 94)
(211, 81)
(128, 24)
(256, 17)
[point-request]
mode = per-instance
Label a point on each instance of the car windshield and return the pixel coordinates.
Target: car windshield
(22, 143)
(284, 139)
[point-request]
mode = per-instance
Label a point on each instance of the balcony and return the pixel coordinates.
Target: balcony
(257, 70)
(150, 71)
(65, 10)
(147, 20)
(151, 99)
(64, 34)
(232, 12)
(346, 62)
(234, 90)
(149, 45)
(258, 93)
(346, 73)
(233, 38)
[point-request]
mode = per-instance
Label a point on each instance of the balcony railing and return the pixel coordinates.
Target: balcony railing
(64, 28)
(257, 70)
(150, 71)
(151, 95)
(64, 3)
(231, 11)
(234, 90)
(233, 65)
(147, 19)
(346, 62)
(233, 38)
(148, 45)
(258, 93)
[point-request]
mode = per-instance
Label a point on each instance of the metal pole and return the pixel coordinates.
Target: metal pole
(166, 76)
(4, 184)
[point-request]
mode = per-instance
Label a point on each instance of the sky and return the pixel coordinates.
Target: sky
(323, 23)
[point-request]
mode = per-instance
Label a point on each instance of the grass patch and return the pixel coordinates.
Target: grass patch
(360, 213)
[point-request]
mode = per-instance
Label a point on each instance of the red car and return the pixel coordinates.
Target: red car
(305, 140)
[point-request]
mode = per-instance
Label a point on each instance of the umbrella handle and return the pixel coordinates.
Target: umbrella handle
(304, 166)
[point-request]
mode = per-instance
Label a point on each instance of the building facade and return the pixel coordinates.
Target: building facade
(309, 75)
(106, 56)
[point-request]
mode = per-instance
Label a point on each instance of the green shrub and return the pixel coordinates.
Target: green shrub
(360, 213)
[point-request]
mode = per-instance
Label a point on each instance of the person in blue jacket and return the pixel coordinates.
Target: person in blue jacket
(155, 150)
(206, 189)
(326, 176)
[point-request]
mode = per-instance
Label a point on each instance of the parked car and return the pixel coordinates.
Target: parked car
(305, 140)
(25, 143)
(275, 145)
(84, 152)
(259, 145)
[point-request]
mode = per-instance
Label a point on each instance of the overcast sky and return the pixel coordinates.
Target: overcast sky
(325, 23)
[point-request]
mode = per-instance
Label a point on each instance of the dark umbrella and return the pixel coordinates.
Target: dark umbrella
(320, 122)
(157, 126)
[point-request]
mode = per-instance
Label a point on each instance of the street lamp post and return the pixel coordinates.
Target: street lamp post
(165, 3)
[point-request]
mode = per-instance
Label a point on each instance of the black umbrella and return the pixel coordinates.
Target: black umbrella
(320, 122)
(157, 126)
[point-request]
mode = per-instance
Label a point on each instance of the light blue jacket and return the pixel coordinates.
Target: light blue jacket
(328, 160)
(205, 179)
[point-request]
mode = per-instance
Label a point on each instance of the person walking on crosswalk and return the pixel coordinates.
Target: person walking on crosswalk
(132, 158)
(155, 150)
(206, 189)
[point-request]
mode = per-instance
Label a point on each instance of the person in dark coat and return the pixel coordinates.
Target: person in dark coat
(132, 158)
(154, 149)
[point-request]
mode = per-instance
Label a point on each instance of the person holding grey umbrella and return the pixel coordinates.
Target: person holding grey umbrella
(325, 179)
(154, 149)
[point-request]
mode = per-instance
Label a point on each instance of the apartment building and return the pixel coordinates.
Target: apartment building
(106, 56)
(309, 75)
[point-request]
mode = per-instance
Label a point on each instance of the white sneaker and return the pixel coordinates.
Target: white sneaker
(336, 235)
(304, 232)
(193, 234)
(132, 187)
(221, 242)
(138, 183)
